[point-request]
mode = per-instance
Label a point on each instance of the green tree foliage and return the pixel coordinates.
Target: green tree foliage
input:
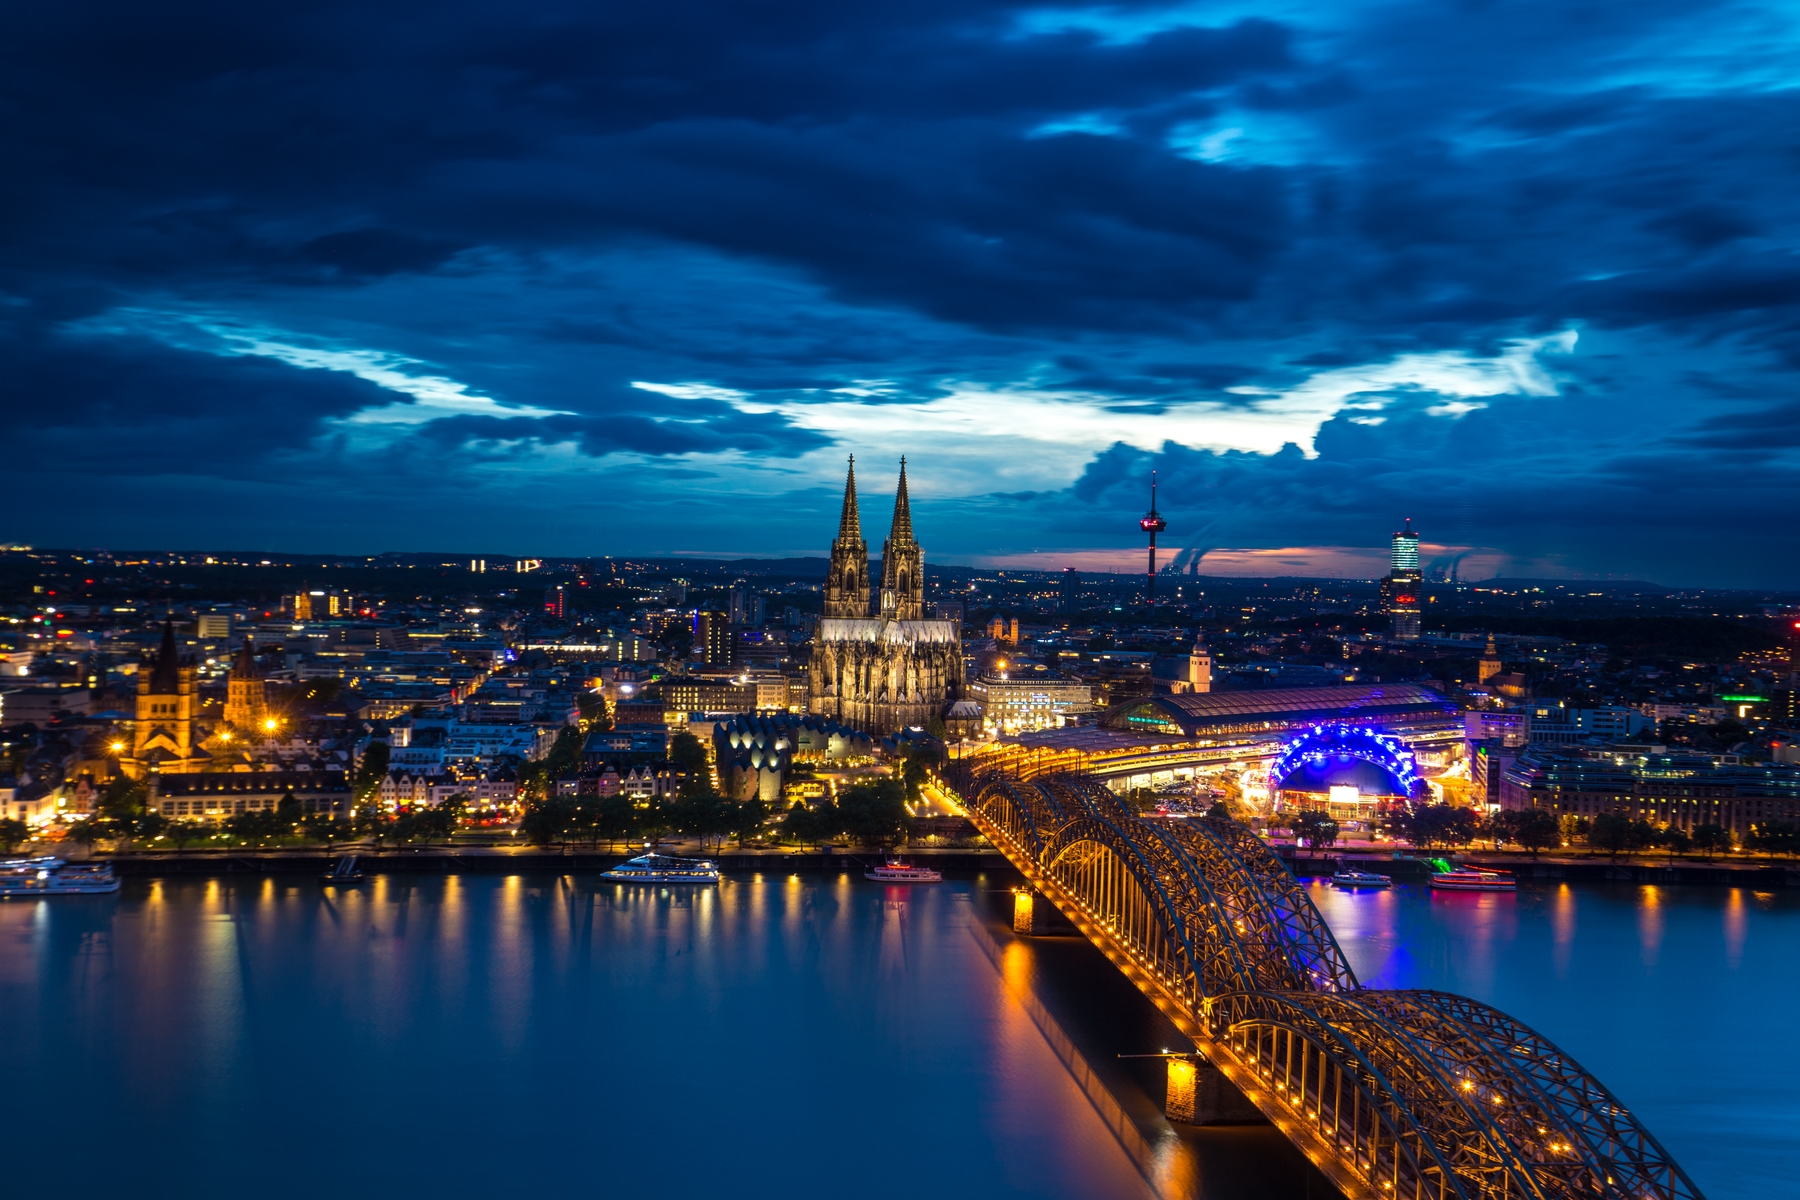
(874, 813)
(370, 772)
(564, 758)
(13, 833)
(592, 707)
(689, 753)
(183, 834)
(548, 820)
(701, 812)
(1573, 827)
(915, 774)
(1775, 837)
(812, 826)
(1675, 840)
(1712, 839)
(748, 818)
(1315, 827)
(1617, 834)
(122, 799)
(1429, 826)
(324, 830)
(616, 819)
(1536, 829)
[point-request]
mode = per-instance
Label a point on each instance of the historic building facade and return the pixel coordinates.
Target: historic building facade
(164, 739)
(885, 670)
(246, 701)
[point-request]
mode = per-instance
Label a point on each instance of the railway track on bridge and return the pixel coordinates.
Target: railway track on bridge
(1392, 1094)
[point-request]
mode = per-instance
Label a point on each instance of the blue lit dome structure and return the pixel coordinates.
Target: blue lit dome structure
(1338, 754)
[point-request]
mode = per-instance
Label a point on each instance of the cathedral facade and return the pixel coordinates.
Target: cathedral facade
(882, 666)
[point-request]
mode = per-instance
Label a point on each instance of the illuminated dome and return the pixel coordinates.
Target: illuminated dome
(1343, 755)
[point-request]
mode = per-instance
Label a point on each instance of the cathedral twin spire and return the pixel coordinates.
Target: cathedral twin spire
(902, 561)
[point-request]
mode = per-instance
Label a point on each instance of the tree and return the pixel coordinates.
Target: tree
(1428, 826)
(1536, 829)
(1573, 827)
(12, 832)
(86, 833)
(547, 821)
(122, 799)
(1676, 840)
(438, 821)
(370, 772)
(324, 829)
(1774, 837)
(700, 811)
(617, 819)
(592, 707)
(564, 758)
(874, 813)
(689, 753)
(748, 818)
(182, 833)
(915, 775)
(811, 826)
(1712, 839)
(147, 828)
(1315, 827)
(1618, 834)
(288, 812)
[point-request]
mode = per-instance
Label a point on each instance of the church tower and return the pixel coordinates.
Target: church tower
(246, 700)
(847, 579)
(163, 738)
(902, 563)
(1490, 664)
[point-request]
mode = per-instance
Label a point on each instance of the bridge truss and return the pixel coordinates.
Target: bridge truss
(1399, 1095)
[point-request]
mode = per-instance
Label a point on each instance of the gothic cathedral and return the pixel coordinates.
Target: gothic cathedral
(893, 668)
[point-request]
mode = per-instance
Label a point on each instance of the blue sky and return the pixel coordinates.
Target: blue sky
(631, 279)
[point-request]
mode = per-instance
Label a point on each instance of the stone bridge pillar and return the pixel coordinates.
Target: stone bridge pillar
(1032, 914)
(1199, 1094)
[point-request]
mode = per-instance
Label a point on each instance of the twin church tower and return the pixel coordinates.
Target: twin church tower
(902, 562)
(884, 668)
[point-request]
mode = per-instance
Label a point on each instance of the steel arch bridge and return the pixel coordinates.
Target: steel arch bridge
(1392, 1094)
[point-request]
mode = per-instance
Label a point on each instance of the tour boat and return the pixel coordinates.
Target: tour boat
(1472, 879)
(54, 877)
(896, 871)
(1360, 879)
(663, 868)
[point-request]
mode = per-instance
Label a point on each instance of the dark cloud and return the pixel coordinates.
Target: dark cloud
(546, 203)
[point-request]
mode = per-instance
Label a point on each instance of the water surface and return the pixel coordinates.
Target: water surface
(783, 1036)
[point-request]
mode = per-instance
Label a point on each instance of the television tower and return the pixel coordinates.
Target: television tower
(1152, 524)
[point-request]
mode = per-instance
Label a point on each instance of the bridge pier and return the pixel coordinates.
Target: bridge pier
(1033, 914)
(1199, 1094)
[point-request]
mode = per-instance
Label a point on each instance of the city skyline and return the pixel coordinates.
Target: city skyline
(633, 284)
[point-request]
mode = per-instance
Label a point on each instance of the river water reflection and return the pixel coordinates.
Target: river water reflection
(779, 1036)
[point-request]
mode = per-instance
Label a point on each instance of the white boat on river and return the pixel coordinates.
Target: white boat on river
(55, 877)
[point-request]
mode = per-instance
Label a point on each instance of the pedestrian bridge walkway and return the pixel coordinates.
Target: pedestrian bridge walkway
(1392, 1094)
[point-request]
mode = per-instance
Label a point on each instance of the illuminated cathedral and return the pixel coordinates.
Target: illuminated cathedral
(886, 666)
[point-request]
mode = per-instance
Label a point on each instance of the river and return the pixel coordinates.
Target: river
(791, 1036)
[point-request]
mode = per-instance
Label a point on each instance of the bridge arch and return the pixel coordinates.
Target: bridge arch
(1120, 886)
(1398, 1095)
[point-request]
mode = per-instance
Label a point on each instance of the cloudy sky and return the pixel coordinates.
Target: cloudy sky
(635, 278)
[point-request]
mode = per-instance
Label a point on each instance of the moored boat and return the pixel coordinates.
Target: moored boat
(55, 877)
(1360, 879)
(663, 868)
(1472, 879)
(895, 870)
(346, 871)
